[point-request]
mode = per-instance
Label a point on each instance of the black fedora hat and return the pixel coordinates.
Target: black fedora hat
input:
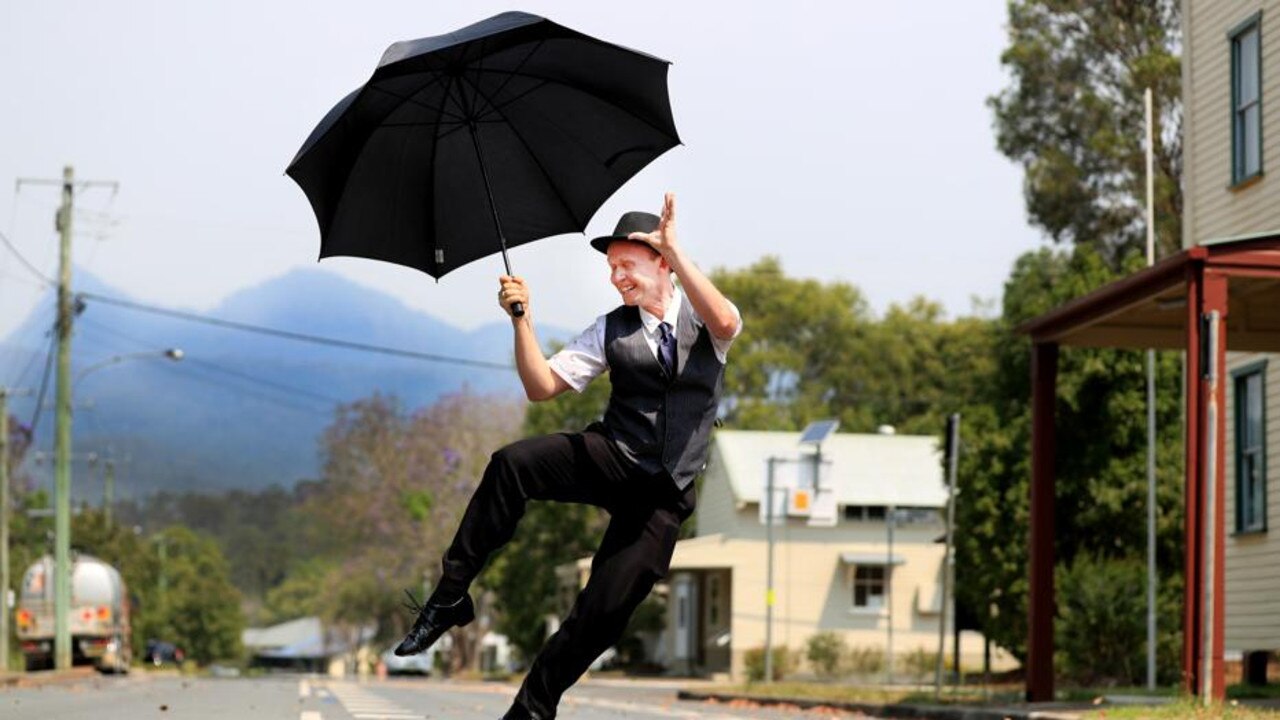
(634, 221)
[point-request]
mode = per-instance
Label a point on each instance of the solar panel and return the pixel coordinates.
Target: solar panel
(818, 431)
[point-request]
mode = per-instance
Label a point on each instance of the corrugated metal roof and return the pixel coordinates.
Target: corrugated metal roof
(302, 631)
(865, 469)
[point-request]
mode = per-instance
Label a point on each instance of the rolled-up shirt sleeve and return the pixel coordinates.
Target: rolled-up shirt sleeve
(722, 346)
(579, 362)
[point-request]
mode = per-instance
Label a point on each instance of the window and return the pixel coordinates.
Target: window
(713, 600)
(1246, 100)
(864, 512)
(868, 586)
(1251, 450)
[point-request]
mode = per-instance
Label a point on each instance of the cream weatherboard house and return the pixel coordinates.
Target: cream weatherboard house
(1231, 124)
(834, 569)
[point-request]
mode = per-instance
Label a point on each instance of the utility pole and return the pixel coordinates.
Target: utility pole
(769, 595)
(1151, 418)
(62, 440)
(62, 437)
(948, 561)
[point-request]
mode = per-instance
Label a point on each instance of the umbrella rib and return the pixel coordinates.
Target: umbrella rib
(519, 66)
(410, 99)
(509, 102)
(584, 91)
(563, 132)
(542, 168)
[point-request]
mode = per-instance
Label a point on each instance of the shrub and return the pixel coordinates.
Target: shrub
(919, 663)
(1101, 634)
(826, 652)
(783, 663)
(865, 661)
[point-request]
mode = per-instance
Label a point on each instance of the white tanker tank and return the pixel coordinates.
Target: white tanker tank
(98, 619)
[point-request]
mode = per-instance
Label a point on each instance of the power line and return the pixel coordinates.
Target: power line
(300, 337)
(288, 390)
(44, 382)
(47, 282)
(264, 382)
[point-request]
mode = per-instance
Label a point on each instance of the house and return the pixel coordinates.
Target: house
(306, 645)
(838, 564)
(1218, 301)
(1231, 86)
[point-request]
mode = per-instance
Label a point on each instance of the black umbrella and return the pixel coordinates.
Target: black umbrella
(506, 131)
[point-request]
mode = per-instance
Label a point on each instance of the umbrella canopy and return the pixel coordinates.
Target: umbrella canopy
(506, 131)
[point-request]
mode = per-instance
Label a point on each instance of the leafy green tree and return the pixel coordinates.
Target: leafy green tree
(199, 604)
(1073, 118)
(296, 596)
(1100, 494)
(801, 352)
(179, 585)
(812, 350)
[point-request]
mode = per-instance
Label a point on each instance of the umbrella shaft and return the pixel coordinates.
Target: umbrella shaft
(488, 189)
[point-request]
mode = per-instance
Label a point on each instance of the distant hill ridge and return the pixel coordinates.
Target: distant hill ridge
(243, 410)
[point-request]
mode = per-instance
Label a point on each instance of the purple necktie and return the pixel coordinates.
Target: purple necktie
(667, 348)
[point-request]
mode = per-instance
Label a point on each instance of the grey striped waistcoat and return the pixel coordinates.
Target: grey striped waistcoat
(662, 424)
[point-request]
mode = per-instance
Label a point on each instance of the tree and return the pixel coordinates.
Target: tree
(1073, 118)
(1101, 437)
(392, 490)
(812, 350)
(179, 585)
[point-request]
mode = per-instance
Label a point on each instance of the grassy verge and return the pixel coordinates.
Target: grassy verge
(835, 692)
(1185, 708)
(1171, 703)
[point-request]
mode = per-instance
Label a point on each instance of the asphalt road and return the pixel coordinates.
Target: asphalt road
(141, 696)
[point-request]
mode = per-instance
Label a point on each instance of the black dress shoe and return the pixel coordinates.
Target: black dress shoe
(433, 620)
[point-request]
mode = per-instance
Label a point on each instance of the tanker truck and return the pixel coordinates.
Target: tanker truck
(98, 620)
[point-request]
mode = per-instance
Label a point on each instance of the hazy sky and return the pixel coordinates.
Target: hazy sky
(849, 138)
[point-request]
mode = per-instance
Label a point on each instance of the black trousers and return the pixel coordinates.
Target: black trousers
(645, 516)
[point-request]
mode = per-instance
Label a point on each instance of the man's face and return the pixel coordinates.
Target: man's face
(637, 271)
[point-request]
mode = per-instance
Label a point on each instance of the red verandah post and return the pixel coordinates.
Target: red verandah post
(1044, 377)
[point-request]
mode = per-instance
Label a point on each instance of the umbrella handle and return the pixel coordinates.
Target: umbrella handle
(517, 309)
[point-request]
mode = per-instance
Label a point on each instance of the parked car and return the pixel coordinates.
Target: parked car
(409, 665)
(159, 652)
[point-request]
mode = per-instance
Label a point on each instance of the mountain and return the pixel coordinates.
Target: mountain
(240, 410)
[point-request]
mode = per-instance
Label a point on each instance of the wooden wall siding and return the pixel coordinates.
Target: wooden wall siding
(1213, 210)
(1253, 560)
(715, 512)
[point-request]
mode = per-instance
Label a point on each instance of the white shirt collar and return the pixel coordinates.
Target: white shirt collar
(651, 321)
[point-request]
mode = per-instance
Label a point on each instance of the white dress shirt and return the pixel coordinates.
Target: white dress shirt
(579, 362)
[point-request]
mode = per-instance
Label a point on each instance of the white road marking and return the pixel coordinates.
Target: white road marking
(304, 689)
(310, 715)
(366, 705)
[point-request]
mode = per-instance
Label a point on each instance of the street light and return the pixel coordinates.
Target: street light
(174, 354)
(62, 471)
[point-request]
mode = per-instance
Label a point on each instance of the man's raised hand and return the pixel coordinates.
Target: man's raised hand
(664, 238)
